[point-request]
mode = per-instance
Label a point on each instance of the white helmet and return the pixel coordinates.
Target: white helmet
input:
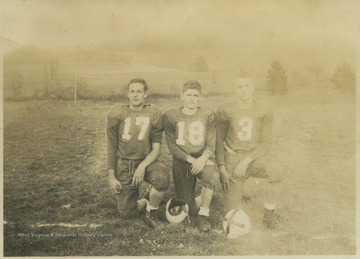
(176, 210)
(236, 223)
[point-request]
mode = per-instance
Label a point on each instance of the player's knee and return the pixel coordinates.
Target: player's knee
(210, 177)
(162, 180)
(275, 173)
(127, 211)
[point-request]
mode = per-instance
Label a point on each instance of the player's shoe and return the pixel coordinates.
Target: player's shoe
(269, 219)
(203, 223)
(150, 219)
(142, 204)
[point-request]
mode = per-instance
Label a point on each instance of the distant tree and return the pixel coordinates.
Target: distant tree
(200, 65)
(83, 91)
(277, 78)
(51, 81)
(343, 78)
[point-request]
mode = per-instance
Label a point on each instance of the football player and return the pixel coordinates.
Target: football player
(134, 134)
(244, 136)
(191, 136)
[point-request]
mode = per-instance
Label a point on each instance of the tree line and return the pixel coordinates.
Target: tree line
(342, 79)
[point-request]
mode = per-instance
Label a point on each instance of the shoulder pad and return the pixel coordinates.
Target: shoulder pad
(152, 106)
(116, 110)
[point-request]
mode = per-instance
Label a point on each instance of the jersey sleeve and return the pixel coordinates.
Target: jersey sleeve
(210, 134)
(265, 136)
(222, 124)
(170, 132)
(112, 129)
(157, 128)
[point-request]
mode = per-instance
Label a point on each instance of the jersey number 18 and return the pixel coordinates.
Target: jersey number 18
(196, 135)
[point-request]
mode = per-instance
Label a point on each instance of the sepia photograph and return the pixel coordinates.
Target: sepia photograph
(179, 128)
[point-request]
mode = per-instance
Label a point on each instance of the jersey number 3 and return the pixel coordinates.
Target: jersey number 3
(143, 122)
(196, 135)
(246, 125)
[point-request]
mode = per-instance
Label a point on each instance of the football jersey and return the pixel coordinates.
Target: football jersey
(189, 134)
(130, 133)
(244, 131)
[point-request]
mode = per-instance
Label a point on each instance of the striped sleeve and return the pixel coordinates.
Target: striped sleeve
(210, 134)
(222, 124)
(112, 129)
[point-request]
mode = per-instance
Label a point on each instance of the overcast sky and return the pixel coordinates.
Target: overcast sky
(45, 23)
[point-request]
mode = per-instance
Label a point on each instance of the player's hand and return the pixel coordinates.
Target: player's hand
(138, 177)
(115, 185)
(198, 165)
(241, 168)
(209, 162)
(225, 178)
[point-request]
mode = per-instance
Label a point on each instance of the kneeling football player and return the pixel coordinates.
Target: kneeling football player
(134, 134)
(190, 135)
(244, 136)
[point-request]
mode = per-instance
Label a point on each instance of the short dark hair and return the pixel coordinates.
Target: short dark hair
(192, 84)
(243, 74)
(138, 80)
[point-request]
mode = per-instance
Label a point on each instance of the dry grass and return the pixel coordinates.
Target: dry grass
(54, 155)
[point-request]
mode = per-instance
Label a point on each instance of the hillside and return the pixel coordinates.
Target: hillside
(102, 67)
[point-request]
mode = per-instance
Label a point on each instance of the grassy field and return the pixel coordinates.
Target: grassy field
(54, 172)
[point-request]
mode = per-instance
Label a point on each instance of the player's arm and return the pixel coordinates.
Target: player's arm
(262, 149)
(155, 138)
(265, 137)
(210, 136)
(222, 125)
(170, 129)
(149, 159)
(112, 128)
